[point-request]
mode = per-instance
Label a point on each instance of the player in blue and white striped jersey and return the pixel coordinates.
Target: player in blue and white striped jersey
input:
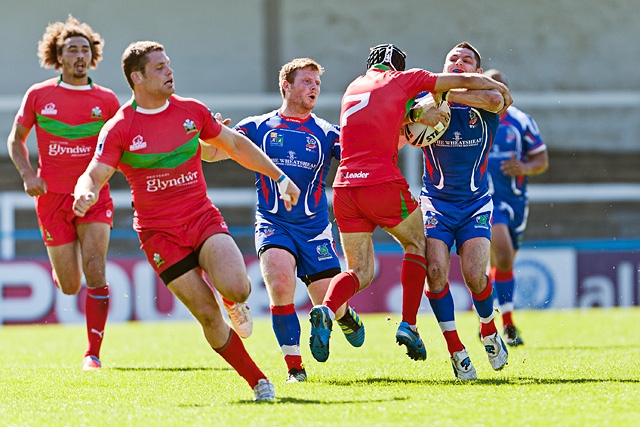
(298, 242)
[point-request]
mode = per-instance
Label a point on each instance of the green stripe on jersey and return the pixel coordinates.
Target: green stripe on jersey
(66, 131)
(163, 160)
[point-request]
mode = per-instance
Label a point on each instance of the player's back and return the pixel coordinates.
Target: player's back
(373, 109)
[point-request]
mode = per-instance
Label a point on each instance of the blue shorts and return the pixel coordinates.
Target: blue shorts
(313, 248)
(453, 223)
(514, 216)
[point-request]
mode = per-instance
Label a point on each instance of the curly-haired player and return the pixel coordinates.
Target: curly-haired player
(68, 112)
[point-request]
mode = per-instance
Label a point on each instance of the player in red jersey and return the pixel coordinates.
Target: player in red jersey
(68, 112)
(157, 140)
(370, 191)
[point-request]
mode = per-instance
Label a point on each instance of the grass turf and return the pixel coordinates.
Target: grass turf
(577, 368)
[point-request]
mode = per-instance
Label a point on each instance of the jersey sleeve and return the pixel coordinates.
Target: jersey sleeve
(532, 139)
(109, 148)
(26, 115)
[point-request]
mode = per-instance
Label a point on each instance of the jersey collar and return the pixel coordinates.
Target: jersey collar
(381, 67)
(139, 109)
(73, 87)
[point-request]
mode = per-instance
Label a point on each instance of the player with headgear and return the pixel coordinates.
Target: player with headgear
(374, 107)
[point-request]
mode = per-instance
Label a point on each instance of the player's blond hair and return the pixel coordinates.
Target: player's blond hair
(52, 43)
(288, 70)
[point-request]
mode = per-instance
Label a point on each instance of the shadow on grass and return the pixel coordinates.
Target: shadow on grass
(481, 381)
(297, 400)
(168, 369)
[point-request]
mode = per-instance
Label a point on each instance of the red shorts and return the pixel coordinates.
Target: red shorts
(57, 221)
(362, 209)
(179, 246)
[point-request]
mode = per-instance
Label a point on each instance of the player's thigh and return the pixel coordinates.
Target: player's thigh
(222, 260)
(65, 260)
(409, 233)
(278, 267)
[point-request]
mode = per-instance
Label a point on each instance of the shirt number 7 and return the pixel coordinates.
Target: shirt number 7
(360, 101)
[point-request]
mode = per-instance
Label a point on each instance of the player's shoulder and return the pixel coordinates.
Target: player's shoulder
(324, 124)
(516, 115)
(44, 85)
(250, 124)
(187, 103)
(103, 89)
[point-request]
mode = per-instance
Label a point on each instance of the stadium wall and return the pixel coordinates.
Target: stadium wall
(563, 57)
(548, 278)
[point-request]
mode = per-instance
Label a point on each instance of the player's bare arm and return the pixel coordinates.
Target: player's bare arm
(17, 146)
(489, 100)
(246, 153)
(534, 165)
(448, 81)
(212, 154)
(88, 186)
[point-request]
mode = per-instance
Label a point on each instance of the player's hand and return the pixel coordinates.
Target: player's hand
(82, 203)
(289, 193)
(219, 119)
(35, 186)
(432, 116)
(512, 166)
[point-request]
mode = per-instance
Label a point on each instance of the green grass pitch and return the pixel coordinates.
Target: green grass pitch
(577, 368)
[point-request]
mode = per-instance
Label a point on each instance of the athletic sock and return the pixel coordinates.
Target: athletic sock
(286, 326)
(342, 287)
(234, 353)
(412, 275)
(504, 283)
(96, 311)
(483, 302)
(443, 308)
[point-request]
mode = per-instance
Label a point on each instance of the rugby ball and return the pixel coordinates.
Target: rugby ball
(420, 135)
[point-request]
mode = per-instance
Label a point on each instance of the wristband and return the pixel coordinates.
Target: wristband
(445, 95)
(282, 187)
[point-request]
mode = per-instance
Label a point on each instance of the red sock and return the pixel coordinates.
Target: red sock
(96, 311)
(507, 320)
(412, 275)
(293, 362)
(234, 353)
(342, 287)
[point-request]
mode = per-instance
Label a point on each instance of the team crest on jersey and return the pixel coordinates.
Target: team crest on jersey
(157, 260)
(49, 110)
(275, 139)
(324, 252)
(96, 113)
(430, 221)
(473, 119)
(482, 221)
(268, 232)
(138, 143)
(190, 126)
(312, 144)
